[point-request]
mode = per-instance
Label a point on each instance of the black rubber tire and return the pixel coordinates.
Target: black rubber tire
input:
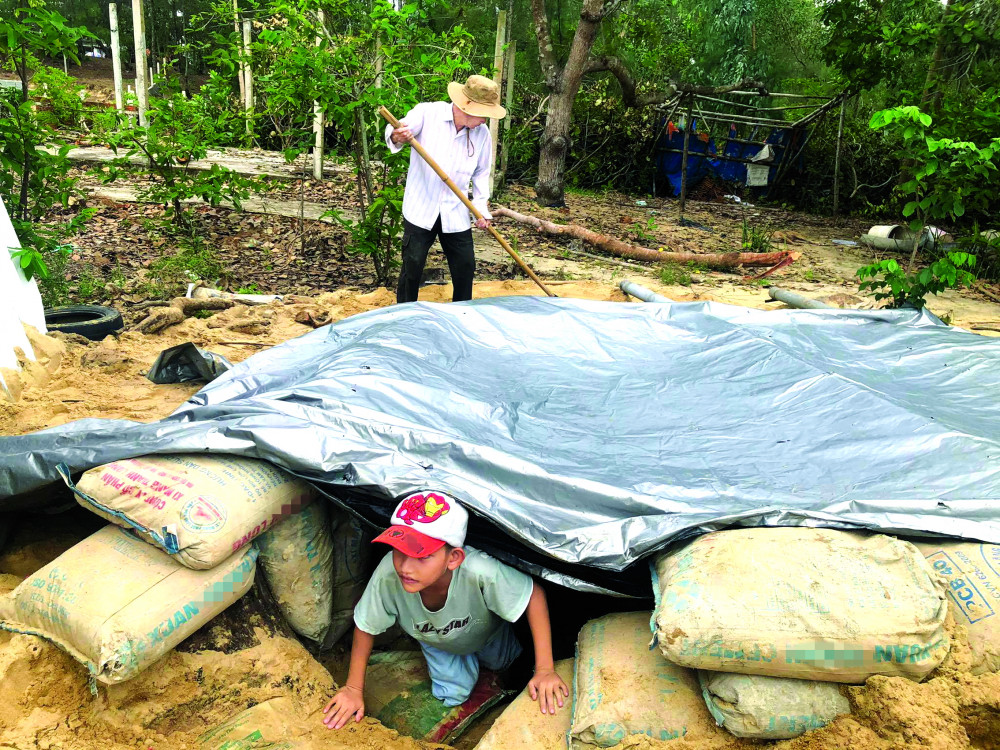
(93, 321)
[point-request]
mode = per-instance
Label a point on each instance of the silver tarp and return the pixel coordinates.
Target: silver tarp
(594, 433)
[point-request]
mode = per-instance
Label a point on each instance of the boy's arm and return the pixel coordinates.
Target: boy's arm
(546, 686)
(349, 700)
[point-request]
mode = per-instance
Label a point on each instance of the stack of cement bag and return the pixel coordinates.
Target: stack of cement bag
(754, 631)
(180, 552)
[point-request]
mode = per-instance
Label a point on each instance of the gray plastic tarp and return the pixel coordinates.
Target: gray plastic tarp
(594, 433)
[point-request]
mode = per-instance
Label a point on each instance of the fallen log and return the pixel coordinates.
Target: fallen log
(173, 312)
(625, 250)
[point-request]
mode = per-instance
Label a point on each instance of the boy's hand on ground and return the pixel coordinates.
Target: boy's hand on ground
(548, 689)
(348, 702)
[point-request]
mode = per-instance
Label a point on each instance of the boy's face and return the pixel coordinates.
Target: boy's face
(417, 573)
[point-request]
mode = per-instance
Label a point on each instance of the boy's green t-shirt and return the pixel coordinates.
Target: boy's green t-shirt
(483, 593)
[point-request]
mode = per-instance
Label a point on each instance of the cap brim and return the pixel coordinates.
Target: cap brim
(409, 541)
(464, 103)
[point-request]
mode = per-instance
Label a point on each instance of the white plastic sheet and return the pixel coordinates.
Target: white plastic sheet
(592, 434)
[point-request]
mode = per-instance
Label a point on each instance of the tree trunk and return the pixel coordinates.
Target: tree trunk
(554, 148)
(563, 85)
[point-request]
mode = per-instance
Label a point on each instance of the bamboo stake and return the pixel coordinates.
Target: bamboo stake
(498, 79)
(116, 55)
(684, 157)
(239, 45)
(836, 163)
(508, 97)
(141, 82)
(468, 204)
(318, 119)
(248, 80)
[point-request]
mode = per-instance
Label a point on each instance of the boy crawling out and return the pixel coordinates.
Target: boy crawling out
(458, 603)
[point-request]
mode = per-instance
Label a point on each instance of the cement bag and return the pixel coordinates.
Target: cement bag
(297, 559)
(117, 604)
(816, 604)
(621, 687)
(522, 725)
(199, 508)
(770, 708)
(972, 572)
(352, 550)
(267, 726)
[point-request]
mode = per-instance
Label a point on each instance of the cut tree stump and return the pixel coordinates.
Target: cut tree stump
(625, 250)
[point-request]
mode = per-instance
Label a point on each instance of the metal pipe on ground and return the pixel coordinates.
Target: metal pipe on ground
(797, 300)
(640, 292)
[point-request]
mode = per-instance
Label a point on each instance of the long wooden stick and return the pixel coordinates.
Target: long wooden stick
(468, 204)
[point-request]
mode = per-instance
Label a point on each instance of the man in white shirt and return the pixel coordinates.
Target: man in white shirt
(456, 137)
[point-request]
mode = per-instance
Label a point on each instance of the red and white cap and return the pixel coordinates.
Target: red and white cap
(424, 522)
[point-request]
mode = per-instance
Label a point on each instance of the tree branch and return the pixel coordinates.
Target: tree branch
(546, 52)
(630, 97)
(617, 68)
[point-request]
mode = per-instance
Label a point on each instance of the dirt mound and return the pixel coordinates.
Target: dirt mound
(107, 379)
(45, 700)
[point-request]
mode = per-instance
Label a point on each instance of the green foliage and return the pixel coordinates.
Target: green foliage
(194, 260)
(34, 181)
(949, 176)
(674, 274)
(180, 130)
(63, 97)
(888, 280)
(757, 239)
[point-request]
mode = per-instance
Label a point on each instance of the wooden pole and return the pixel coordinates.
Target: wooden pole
(684, 157)
(468, 204)
(248, 79)
(836, 163)
(116, 55)
(498, 79)
(239, 46)
(141, 81)
(508, 97)
(318, 120)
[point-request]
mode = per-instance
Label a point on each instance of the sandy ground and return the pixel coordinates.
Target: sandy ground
(45, 701)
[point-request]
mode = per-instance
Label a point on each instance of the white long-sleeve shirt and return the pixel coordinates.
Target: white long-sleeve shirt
(463, 155)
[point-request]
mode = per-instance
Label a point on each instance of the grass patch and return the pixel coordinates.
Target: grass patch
(675, 274)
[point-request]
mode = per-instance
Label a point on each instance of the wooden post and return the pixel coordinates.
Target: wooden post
(248, 78)
(141, 81)
(684, 156)
(318, 120)
(498, 79)
(116, 55)
(239, 46)
(65, 65)
(508, 96)
(836, 163)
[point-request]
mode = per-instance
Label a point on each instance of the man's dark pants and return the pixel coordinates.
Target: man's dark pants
(458, 250)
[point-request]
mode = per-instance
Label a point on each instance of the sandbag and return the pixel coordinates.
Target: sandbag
(972, 571)
(770, 708)
(523, 725)
(352, 551)
(621, 687)
(198, 508)
(817, 604)
(296, 556)
(118, 604)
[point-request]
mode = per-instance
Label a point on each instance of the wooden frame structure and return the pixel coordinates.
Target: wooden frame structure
(715, 109)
